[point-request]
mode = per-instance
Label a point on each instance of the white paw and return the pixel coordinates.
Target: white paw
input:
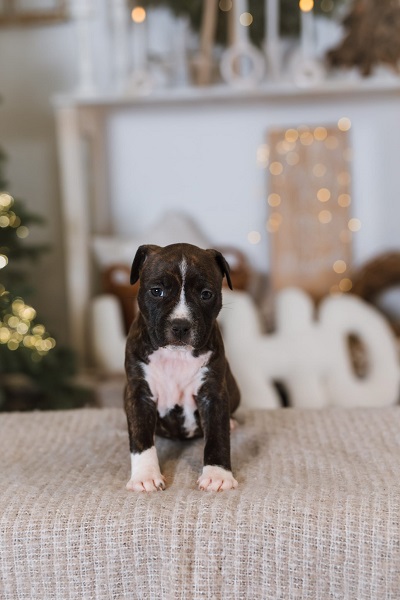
(145, 473)
(148, 482)
(216, 479)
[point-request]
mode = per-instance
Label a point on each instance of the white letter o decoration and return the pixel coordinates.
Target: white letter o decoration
(310, 357)
(344, 315)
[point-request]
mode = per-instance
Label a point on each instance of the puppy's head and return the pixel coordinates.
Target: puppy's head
(180, 292)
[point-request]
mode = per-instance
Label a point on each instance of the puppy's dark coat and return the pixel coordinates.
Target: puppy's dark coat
(179, 383)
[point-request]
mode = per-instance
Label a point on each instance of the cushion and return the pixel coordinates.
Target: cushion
(174, 227)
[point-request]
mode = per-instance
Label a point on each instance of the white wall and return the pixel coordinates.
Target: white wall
(34, 64)
(199, 158)
(202, 160)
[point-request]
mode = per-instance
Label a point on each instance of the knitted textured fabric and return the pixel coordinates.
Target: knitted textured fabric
(316, 514)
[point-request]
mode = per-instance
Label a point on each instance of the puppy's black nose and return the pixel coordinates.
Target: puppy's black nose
(180, 327)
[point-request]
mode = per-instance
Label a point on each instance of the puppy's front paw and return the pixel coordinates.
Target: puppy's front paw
(145, 472)
(147, 482)
(216, 479)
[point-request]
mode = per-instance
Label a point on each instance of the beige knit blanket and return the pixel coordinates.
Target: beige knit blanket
(316, 514)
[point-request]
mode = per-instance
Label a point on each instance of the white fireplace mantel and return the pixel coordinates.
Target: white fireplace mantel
(89, 138)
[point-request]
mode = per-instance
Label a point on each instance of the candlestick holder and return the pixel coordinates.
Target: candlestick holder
(120, 37)
(305, 67)
(140, 81)
(242, 64)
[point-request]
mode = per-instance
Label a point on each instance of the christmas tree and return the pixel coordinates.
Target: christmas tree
(34, 371)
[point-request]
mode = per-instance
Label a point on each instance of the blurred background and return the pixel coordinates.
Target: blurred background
(268, 130)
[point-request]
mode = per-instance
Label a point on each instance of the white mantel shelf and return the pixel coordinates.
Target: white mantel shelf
(223, 93)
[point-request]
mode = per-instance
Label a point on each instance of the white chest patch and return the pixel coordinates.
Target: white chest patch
(174, 377)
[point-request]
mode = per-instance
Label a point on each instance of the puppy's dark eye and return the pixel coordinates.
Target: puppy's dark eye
(206, 295)
(157, 292)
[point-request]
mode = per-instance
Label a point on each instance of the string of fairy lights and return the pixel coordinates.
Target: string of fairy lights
(286, 148)
(17, 322)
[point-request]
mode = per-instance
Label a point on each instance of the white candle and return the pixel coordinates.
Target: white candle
(120, 21)
(272, 43)
(272, 14)
(241, 33)
(307, 36)
(139, 39)
(181, 75)
(82, 12)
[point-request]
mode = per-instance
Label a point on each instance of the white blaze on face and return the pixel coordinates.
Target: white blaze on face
(182, 310)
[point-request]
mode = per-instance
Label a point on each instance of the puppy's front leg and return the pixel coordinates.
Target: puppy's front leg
(141, 412)
(214, 416)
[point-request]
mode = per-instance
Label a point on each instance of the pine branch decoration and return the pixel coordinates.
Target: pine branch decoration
(372, 36)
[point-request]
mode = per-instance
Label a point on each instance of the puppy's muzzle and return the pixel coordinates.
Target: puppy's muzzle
(180, 330)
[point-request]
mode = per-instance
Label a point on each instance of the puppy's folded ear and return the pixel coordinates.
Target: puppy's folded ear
(140, 257)
(223, 265)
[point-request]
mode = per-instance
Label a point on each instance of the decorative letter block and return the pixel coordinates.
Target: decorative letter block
(310, 357)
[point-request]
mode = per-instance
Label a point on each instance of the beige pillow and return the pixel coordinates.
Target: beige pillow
(174, 227)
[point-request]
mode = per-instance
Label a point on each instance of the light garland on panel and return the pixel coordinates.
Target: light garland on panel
(286, 148)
